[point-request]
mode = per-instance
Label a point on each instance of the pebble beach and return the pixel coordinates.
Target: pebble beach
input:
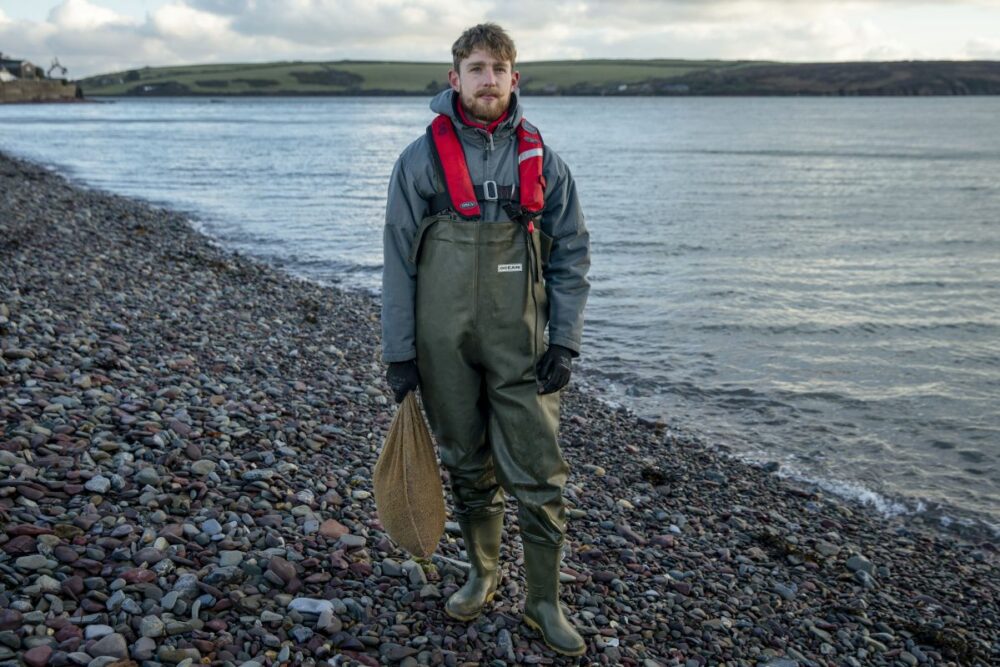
(186, 451)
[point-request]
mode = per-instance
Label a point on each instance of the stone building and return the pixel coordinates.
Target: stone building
(21, 69)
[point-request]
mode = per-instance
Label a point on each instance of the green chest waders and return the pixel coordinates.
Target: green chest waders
(481, 313)
(481, 316)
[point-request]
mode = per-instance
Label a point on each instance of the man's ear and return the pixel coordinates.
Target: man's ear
(515, 76)
(454, 80)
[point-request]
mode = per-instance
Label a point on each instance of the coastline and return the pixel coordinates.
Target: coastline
(170, 403)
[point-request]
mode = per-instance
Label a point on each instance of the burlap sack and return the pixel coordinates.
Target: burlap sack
(407, 481)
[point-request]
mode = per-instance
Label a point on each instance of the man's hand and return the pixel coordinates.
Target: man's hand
(402, 378)
(553, 369)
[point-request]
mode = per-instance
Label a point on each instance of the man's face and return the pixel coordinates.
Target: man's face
(484, 84)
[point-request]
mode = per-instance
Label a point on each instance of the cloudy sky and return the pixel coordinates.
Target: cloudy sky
(94, 36)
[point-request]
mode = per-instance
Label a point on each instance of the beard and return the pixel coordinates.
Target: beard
(485, 111)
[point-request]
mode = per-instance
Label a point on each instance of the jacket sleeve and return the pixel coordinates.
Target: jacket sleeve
(566, 274)
(403, 212)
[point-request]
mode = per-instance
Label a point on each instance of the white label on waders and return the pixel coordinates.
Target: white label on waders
(509, 268)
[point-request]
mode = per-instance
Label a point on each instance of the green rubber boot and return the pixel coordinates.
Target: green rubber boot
(541, 608)
(482, 543)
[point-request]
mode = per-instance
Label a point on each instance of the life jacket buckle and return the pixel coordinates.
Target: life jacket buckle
(490, 191)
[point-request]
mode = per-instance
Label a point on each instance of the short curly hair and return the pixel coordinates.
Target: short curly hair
(487, 36)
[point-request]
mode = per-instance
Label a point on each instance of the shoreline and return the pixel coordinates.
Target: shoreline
(172, 403)
(916, 513)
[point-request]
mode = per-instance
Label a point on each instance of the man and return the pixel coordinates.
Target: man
(485, 244)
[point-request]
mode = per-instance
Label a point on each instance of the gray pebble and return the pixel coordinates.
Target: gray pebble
(98, 484)
(211, 527)
(97, 631)
(112, 645)
(151, 626)
(858, 563)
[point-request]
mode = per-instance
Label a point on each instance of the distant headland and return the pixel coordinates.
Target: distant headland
(567, 77)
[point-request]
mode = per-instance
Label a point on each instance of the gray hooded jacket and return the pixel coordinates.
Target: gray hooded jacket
(490, 157)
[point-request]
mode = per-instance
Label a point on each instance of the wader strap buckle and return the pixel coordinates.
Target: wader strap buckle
(519, 214)
(490, 191)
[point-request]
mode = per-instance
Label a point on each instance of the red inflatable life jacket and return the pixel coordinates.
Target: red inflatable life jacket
(463, 197)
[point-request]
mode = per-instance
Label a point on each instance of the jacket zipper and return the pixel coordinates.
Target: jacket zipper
(487, 149)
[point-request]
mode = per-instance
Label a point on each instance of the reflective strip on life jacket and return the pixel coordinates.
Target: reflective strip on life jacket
(530, 157)
(454, 170)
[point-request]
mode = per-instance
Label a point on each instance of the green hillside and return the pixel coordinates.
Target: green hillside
(566, 77)
(374, 78)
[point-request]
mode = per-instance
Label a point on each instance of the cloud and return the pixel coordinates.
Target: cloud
(813, 32)
(983, 49)
(399, 28)
(80, 15)
(90, 38)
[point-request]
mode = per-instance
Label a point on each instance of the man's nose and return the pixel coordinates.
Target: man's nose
(490, 76)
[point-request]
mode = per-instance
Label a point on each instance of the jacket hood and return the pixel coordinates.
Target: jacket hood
(442, 103)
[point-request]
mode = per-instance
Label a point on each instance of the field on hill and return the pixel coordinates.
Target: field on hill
(562, 77)
(368, 78)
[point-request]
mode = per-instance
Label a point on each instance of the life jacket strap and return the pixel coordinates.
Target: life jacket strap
(486, 192)
(523, 204)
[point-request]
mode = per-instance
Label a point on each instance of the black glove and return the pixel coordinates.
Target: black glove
(402, 378)
(553, 369)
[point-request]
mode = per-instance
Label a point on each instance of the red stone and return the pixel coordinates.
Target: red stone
(282, 568)
(223, 605)
(88, 565)
(139, 576)
(68, 632)
(203, 645)
(333, 529)
(682, 587)
(666, 541)
(37, 657)
(216, 625)
(172, 530)
(9, 619)
(73, 585)
(22, 545)
(31, 492)
(364, 569)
